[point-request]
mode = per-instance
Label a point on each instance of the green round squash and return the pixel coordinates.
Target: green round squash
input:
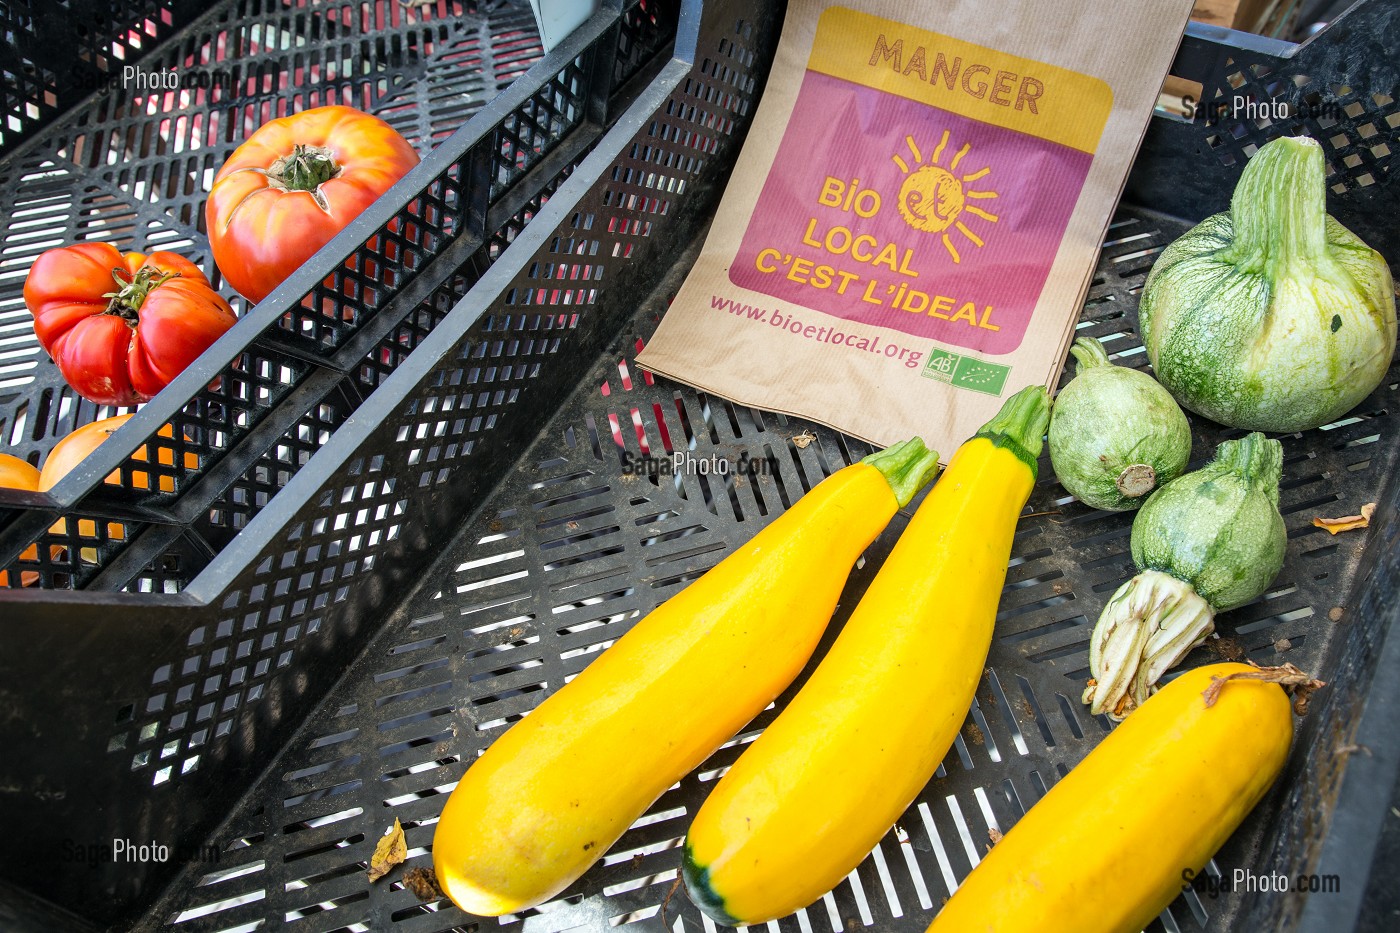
(1205, 542)
(1115, 434)
(1272, 316)
(1219, 528)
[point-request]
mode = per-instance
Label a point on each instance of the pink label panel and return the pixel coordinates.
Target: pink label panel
(890, 212)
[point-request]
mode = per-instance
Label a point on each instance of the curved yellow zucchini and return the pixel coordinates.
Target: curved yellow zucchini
(1107, 848)
(814, 793)
(549, 797)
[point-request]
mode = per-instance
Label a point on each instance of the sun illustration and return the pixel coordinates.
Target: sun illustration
(934, 198)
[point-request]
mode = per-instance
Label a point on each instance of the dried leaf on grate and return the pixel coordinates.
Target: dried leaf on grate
(390, 850)
(422, 883)
(1347, 522)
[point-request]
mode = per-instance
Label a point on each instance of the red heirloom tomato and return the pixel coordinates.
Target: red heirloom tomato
(293, 185)
(120, 327)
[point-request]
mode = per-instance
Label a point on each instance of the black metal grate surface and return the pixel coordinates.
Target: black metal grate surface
(574, 547)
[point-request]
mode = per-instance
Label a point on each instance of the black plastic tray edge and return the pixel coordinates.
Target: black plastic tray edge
(1371, 769)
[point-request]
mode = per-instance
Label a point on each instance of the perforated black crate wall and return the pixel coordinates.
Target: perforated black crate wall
(359, 473)
(55, 54)
(131, 166)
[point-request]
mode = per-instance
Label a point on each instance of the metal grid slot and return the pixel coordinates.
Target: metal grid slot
(581, 541)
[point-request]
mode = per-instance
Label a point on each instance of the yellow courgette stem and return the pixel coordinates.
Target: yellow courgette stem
(1110, 845)
(810, 797)
(550, 796)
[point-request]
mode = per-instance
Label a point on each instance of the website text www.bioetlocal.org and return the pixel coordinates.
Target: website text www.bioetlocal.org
(790, 323)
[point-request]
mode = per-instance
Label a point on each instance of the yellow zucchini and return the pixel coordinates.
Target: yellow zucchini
(815, 792)
(550, 796)
(1108, 847)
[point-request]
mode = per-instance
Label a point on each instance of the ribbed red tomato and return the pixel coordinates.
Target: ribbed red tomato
(121, 326)
(292, 186)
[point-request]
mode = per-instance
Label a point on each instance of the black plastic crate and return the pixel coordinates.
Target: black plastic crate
(325, 681)
(229, 493)
(55, 54)
(131, 166)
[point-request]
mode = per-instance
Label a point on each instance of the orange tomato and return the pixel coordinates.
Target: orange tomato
(292, 186)
(61, 461)
(20, 474)
(74, 448)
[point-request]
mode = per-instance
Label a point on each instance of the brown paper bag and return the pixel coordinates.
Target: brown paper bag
(912, 225)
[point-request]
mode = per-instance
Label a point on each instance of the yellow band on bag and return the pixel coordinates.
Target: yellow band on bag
(970, 80)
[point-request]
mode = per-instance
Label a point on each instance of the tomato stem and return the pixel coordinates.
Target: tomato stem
(307, 168)
(126, 301)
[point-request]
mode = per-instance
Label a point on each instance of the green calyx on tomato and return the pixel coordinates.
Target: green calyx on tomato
(306, 169)
(131, 293)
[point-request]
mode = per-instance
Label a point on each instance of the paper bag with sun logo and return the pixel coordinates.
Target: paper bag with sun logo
(912, 224)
